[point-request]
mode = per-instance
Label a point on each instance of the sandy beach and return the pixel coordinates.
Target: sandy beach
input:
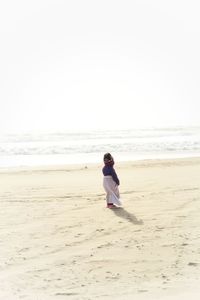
(59, 241)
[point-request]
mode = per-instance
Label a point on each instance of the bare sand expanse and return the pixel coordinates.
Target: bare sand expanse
(59, 241)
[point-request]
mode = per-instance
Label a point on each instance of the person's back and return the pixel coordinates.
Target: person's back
(109, 170)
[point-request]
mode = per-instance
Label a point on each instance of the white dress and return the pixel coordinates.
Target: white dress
(112, 191)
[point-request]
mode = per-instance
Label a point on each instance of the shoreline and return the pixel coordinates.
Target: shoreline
(82, 166)
(34, 161)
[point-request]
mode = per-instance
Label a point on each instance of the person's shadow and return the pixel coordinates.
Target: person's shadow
(124, 214)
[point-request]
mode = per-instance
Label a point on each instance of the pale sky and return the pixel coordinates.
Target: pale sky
(79, 64)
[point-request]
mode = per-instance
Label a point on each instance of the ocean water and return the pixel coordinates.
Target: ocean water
(57, 148)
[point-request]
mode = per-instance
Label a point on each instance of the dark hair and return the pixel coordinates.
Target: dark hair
(107, 156)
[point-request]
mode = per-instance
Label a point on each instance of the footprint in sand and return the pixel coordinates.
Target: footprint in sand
(66, 294)
(142, 291)
(193, 264)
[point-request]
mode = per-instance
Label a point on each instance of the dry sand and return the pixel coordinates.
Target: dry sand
(59, 241)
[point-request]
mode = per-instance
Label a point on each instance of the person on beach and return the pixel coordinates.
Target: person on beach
(111, 182)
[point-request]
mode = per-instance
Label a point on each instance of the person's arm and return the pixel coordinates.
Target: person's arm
(114, 176)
